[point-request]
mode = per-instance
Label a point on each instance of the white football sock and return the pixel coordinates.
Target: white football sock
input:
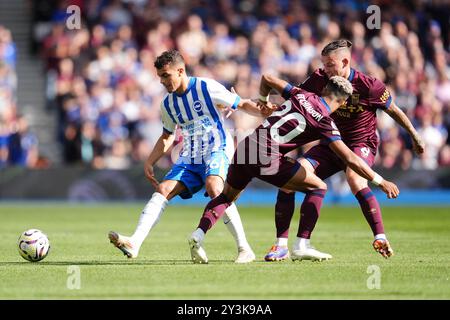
(199, 235)
(232, 220)
(282, 242)
(149, 218)
(380, 236)
(301, 243)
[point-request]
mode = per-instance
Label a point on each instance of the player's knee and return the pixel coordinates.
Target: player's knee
(356, 183)
(164, 189)
(213, 191)
(322, 185)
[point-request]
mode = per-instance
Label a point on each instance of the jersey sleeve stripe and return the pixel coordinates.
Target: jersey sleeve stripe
(325, 104)
(286, 94)
(236, 102)
(388, 102)
(331, 139)
(351, 75)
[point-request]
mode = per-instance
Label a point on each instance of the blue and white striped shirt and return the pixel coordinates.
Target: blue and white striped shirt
(198, 112)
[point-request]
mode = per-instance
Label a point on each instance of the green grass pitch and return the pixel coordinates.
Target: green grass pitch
(420, 268)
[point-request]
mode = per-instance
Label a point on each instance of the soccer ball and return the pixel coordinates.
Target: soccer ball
(33, 245)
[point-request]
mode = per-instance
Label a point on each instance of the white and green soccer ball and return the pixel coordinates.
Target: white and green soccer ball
(33, 245)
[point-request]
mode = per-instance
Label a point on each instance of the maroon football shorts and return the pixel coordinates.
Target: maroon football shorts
(327, 163)
(281, 170)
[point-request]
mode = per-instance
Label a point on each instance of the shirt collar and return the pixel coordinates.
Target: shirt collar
(325, 104)
(351, 75)
(190, 84)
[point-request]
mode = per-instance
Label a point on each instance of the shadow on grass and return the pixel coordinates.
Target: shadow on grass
(109, 263)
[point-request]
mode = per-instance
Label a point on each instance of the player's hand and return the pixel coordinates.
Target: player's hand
(150, 174)
(390, 189)
(267, 108)
(418, 145)
(230, 111)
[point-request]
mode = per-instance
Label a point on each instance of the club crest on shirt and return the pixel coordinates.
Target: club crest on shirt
(365, 152)
(198, 106)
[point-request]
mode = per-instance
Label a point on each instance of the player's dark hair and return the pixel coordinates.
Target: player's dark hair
(168, 57)
(335, 45)
(339, 87)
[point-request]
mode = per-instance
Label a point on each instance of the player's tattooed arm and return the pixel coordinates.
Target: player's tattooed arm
(400, 117)
(269, 82)
(253, 108)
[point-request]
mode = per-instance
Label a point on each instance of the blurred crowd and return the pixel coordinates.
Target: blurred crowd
(18, 145)
(102, 83)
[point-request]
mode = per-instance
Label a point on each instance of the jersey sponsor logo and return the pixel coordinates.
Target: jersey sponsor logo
(198, 106)
(346, 111)
(385, 96)
(355, 99)
(343, 114)
(197, 126)
(309, 108)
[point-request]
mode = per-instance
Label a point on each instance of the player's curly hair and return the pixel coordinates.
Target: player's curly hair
(335, 45)
(168, 57)
(339, 87)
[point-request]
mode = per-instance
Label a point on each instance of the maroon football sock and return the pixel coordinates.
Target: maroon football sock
(214, 211)
(309, 212)
(371, 209)
(284, 210)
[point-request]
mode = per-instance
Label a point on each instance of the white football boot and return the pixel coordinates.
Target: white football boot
(124, 244)
(245, 255)
(308, 252)
(198, 254)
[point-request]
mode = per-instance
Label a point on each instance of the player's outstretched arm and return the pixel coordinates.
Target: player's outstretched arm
(400, 117)
(252, 108)
(269, 82)
(163, 144)
(361, 168)
(256, 109)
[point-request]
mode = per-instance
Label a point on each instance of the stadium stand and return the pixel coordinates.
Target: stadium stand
(102, 85)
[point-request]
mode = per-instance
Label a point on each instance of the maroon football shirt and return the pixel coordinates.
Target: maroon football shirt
(356, 119)
(301, 119)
